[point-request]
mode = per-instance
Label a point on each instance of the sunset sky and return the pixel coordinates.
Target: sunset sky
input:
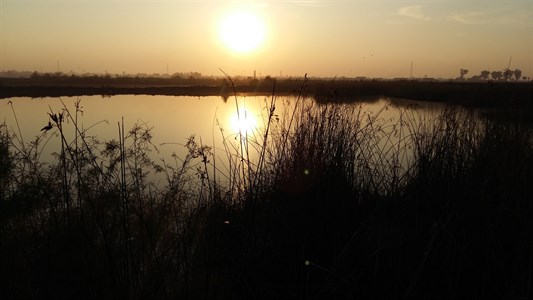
(321, 38)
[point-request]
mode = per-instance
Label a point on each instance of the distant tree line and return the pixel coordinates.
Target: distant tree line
(188, 75)
(504, 75)
(190, 78)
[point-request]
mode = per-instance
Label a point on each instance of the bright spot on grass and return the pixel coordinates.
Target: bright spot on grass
(307, 262)
(306, 172)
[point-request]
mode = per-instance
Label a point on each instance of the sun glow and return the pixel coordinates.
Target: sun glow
(242, 31)
(243, 122)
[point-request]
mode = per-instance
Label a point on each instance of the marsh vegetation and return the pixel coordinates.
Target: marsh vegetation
(322, 202)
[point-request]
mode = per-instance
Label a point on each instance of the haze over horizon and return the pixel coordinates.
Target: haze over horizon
(321, 38)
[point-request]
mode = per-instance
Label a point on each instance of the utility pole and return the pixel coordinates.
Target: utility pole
(411, 72)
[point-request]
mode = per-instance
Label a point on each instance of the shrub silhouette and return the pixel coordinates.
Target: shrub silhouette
(332, 208)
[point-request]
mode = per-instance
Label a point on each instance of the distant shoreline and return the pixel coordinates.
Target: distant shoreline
(461, 92)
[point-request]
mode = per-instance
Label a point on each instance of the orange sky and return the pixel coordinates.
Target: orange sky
(321, 38)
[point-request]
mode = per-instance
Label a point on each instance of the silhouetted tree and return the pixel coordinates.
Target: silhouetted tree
(517, 74)
(496, 75)
(507, 73)
(35, 74)
(484, 75)
(463, 72)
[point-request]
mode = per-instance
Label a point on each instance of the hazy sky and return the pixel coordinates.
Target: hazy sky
(321, 38)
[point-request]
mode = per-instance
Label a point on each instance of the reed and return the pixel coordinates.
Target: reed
(338, 203)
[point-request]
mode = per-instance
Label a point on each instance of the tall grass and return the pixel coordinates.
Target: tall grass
(324, 201)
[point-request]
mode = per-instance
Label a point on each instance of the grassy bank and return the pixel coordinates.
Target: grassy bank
(468, 93)
(332, 208)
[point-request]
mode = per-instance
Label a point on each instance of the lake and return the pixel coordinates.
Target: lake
(211, 120)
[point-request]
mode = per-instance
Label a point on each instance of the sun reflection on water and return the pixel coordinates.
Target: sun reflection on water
(243, 121)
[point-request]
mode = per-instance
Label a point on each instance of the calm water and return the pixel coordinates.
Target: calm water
(174, 119)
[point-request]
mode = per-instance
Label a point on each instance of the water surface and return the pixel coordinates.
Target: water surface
(174, 119)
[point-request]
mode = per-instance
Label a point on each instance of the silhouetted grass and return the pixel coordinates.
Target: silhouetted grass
(339, 203)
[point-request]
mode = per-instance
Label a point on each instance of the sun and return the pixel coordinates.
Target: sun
(242, 31)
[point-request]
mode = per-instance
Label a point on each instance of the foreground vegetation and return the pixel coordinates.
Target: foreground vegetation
(335, 203)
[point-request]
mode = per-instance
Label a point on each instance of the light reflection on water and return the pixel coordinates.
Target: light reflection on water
(174, 119)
